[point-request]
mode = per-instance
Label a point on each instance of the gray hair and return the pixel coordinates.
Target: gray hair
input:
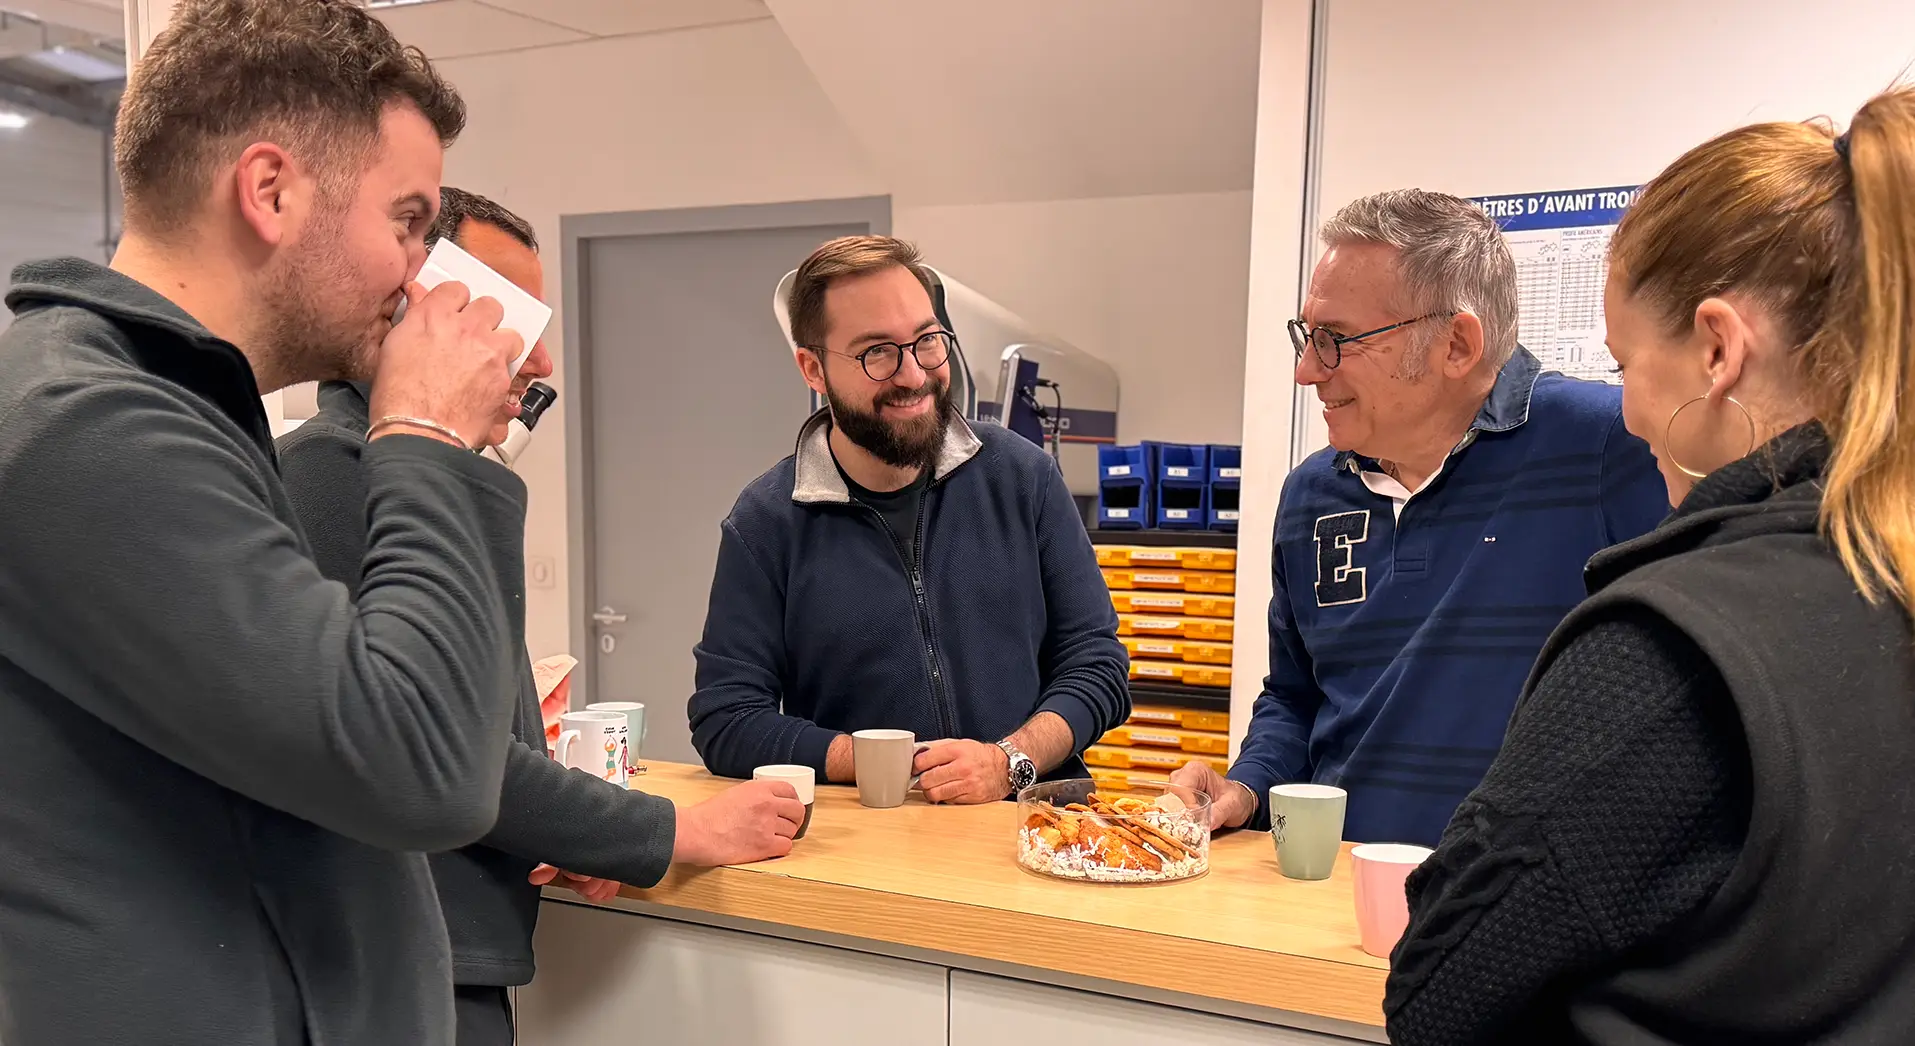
(1450, 255)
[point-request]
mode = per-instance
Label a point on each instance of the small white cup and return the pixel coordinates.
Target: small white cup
(801, 778)
(595, 742)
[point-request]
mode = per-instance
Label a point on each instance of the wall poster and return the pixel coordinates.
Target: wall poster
(1561, 244)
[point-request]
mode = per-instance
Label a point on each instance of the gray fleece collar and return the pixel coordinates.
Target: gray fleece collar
(818, 481)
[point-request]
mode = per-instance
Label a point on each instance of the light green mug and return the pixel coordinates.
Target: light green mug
(1306, 823)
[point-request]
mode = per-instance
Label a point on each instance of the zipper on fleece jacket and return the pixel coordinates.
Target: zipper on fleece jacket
(914, 568)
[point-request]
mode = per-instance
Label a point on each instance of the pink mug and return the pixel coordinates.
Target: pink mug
(1382, 909)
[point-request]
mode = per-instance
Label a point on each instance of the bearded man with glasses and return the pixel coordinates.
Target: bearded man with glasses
(902, 570)
(1424, 556)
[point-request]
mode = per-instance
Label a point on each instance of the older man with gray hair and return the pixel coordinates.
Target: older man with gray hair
(1423, 557)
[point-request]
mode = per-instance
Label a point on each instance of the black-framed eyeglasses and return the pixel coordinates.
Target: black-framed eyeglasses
(881, 361)
(1329, 344)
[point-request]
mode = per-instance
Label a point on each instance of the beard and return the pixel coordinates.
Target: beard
(315, 326)
(909, 443)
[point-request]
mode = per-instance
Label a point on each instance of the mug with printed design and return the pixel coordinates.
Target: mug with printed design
(594, 741)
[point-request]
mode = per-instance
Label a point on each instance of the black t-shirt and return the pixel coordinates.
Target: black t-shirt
(898, 507)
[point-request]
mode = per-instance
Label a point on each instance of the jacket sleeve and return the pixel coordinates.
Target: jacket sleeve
(1634, 496)
(1085, 671)
(1276, 746)
(147, 577)
(327, 485)
(736, 717)
(580, 823)
(547, 812)
(1616, 809)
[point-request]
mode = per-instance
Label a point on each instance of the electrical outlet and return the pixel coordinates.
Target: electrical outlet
(543, 571)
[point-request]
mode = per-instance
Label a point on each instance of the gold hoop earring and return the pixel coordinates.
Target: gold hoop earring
(1668, 444)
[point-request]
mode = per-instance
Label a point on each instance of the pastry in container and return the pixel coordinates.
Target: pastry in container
(1145, 832)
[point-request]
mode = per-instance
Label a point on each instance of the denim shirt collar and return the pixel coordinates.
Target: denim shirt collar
(1506, 407)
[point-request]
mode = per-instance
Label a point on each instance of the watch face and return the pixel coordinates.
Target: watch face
(1023, 774)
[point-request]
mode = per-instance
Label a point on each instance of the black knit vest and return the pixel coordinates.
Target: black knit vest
(1812, 938)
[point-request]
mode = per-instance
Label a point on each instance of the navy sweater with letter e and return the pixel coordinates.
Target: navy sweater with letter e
(1398, 645)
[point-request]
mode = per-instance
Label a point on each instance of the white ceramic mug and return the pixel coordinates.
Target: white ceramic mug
(882, 760)
(595, 742)
(802, 780)
(635, 728)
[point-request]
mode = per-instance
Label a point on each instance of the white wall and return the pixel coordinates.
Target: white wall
(53, 198)
(1581, 94)
(703, 117)
(1154, 285)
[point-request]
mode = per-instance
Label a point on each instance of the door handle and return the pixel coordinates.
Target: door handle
(608, 616)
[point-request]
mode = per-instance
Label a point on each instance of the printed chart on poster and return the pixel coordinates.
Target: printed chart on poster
(1561, 244)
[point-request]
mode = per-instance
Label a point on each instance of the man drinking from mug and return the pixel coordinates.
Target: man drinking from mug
(902, 570)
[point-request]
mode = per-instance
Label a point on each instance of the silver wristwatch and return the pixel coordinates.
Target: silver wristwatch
(1023, 770)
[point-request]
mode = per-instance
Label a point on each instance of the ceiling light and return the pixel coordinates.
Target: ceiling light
(13, 121)
(81, 65)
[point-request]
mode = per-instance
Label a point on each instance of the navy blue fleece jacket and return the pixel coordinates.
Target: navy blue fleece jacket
(819, 627)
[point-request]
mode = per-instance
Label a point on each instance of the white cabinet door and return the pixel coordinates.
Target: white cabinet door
(609, 977)
(991, 1011)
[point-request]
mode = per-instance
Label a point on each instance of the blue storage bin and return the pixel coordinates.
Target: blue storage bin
(1126, 495)
(1123, 517)
(1183, 507)
(1223, 513)
(1226, 466)
(1226, 487)
(1183, 464)
(1123, 466)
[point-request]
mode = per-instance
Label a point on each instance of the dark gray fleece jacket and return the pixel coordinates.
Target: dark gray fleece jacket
(217, 759)
(547, 812)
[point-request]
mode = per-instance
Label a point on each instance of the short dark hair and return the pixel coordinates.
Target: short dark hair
(316, 75)
(456, 206)
(844, 256)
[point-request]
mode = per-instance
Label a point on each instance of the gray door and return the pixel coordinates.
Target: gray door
(692, 395)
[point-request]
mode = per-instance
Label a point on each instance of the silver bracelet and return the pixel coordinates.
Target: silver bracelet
(423, 423)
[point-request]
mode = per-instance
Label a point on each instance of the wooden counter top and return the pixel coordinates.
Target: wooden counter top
(945, 879)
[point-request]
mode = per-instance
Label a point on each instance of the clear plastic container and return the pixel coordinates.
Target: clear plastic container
(1142, 833)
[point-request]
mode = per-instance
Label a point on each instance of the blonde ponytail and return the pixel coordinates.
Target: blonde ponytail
(1863, 364)
(1821, 230)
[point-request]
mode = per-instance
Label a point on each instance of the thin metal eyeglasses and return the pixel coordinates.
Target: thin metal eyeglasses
(881, 361)
(1329, 344)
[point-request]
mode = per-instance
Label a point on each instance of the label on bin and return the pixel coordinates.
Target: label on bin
(1156, 648)
(1158, 623)
(1146, 738)
(1166, 672)
(1117, 513)
(1157, 579)
(1154, 555)
(1117, 470)
(1228, 514)
(1176, 513)
(1177, 472)
(1160, 602)
(1229, 473)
